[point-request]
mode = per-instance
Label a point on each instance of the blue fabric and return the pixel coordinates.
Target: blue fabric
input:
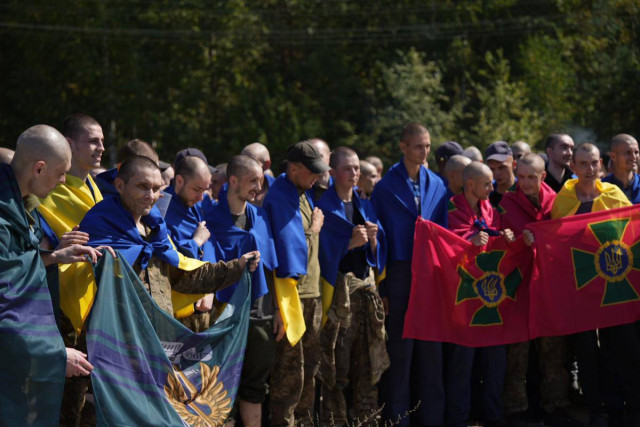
(182, 222)
(632, 191)
(270, 179)
(282, 204)
(151, 370)
(232, 242)
(104, 181)
(109, 223)
(394, 204)
(336, 233)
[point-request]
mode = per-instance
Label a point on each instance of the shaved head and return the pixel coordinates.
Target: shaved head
(475, 170)
(240, 165)
(367, 168)
(41, 142)
(519, 149)
(585, 147)
(456, 164)
(375, 161)
(6, 155)
(533, 160)
(192, 166)
(322, 147)
(258, 152)
(621, 140)
(473, 153)
(137, 147)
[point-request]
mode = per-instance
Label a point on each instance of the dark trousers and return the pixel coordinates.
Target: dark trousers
(415, 374)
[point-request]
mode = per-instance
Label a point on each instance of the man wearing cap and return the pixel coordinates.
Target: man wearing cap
(499, 158)
(444, 153)
(186, 226)
(559, 149)
(409, 190)
(296, 225)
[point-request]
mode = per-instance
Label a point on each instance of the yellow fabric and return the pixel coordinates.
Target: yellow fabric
(380, 276)
(567, 203)
(183, 303)
(327, 298)
(290, 308)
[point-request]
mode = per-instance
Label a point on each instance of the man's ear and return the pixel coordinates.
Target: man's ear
(233, 180)
(38, 168)
(403, 146)
(267, 165)
(119, 184)
(179, 181)
(544, 175)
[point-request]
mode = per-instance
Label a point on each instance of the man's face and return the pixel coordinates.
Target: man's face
(625, 156)
(368, 181)
(416, 149)
(141, 192)
(88, 147)
(482, 186)
(191, 190)
(248, 186)
(502, 171)
(347, 173)
(302, 177)
(561, 152)
(529, 179)
(586, 165)
(49, 175)
(217, 181)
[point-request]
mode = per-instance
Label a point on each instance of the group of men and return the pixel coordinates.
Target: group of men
(329, 243)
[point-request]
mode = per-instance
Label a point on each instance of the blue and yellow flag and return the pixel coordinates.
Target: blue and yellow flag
(149, 369)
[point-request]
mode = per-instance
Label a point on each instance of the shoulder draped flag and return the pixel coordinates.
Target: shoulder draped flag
(151, 370)
(587, 272)
(468, 295)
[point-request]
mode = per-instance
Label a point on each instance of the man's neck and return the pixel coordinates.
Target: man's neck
(503, 188)
(236, 205)
(556, 171)
(412, 169)
(23, 183)
(625, 177)
(345, 193)
(77, 171)
(587, 191)
(473, 202)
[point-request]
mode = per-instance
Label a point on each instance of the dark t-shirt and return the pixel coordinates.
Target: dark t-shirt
(554, 184)
(355, 261)
(585, 207)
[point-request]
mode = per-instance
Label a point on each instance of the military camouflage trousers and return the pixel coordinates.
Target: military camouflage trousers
(554, 388)
(293, 387)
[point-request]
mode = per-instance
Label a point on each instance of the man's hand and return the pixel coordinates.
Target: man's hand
(358, 237)
(480, 239)
(73, 237)
(202, 234)
(253, 258)
(508, 235)
(372, 234)
(205, 303)
(527, 237)
(317, 220)
(278, 325)
(75, 253)
(77, 363)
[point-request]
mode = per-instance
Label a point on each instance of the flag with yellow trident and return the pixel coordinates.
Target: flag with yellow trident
(587, 272)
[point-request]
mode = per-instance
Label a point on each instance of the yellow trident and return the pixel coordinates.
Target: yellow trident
(490, 287)
(614, 260)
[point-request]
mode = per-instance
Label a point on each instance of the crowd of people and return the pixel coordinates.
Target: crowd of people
(331, 248)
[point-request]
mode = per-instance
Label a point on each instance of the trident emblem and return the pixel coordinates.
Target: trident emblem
(490, 287)
(613, 260)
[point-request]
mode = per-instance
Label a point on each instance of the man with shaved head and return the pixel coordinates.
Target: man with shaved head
(472, 217)
(624, 155)
(237, 225)
(6, 155)
(531, 201)
(377, 162)
(519, 149)
(325, 179)
(473, 153)
(368, 179)
(187, 227)
(260, 153)
(559, 149)
(453, 172)
(34, 354)
(578, 196)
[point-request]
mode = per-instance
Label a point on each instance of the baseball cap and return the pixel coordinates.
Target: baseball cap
(163, 166)
(304, 152)
(190, 152)
(499, 151)
(448, 149)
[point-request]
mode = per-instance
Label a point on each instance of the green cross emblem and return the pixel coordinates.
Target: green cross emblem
(612, 262)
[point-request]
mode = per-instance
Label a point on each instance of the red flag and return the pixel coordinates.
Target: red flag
(586, 273)
(460, 293)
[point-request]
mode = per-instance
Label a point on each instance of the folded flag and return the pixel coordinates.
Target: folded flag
(464, 294)
(151, 370)
(586, 273)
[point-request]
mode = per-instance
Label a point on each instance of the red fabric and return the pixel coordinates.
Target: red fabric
(517, 210)
(444, 307)
(568, 294)
(462, 217)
